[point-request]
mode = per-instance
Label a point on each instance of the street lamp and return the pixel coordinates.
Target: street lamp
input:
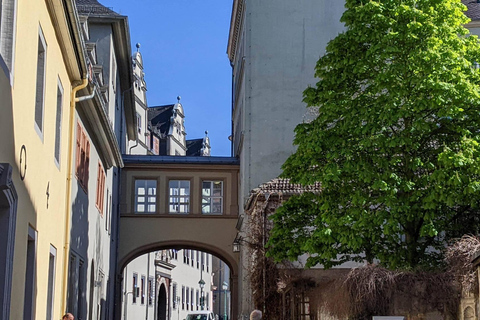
(202, 285)
(225, 287)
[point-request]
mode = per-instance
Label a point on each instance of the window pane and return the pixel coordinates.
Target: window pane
(181, 190)
(206, 192)
(217, 188)
(206, 208)
(145, 195)
(212, 197)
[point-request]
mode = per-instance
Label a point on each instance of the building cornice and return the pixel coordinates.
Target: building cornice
(67, 28)
(235, 27)
(99, 124)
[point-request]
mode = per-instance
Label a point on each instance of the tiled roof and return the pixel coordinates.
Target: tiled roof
(284, 186)
(159, 118)
(194, 147)
(93, 7)
(473, 11)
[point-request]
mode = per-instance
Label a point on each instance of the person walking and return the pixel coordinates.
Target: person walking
(256, 315)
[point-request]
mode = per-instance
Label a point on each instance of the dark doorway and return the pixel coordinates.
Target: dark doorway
(162, 303)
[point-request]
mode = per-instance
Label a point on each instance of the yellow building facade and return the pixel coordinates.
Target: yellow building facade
(42, 62)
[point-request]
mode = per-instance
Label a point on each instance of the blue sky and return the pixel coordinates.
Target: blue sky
(184, 44)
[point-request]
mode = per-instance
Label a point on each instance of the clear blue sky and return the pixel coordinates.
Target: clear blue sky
(184, 44)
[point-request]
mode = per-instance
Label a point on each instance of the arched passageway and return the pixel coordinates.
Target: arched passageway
(170, 293)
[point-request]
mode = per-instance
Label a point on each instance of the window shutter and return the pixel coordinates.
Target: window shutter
(99, 172)
(78, 150)
(87, 165)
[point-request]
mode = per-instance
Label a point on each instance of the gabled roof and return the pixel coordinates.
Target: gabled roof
(159, 118)
(93, 7)
(194, 147)
(473, 11)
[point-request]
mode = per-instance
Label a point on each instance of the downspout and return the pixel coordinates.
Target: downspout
(68, 207)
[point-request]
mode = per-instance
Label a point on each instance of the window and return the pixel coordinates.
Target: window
(192, 299)
(187, 296)
(51, 282)
(108, 212)
(100, 188)
(192, 255)
(145, 196)
(303, 306)
(184, 256)
(40, 83)
(82, 157)
(142, 290)
(150, 291)
(212, 197)
(7, 27)
(198, 259)
(114, 74)
(134, 288)
(198, 299)
(179, 191)
(76, 285)
(29, 291)
(156, 145)
(203, 261)
(58, 122)
(139, 122)
(174, 296)
(183, 297)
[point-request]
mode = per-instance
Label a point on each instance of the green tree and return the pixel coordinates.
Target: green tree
(395, 144)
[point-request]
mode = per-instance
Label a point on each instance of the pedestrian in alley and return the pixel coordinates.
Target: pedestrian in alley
(256, 315)
(68, 316)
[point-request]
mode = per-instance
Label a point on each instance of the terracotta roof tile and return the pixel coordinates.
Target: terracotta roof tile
(284, 186)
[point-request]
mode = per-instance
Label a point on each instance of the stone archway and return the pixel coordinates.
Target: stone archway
(230, 259)
(162, 303)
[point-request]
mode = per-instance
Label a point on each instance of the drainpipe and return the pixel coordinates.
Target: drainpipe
(68, 207)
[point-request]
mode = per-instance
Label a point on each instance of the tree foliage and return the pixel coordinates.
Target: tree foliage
(395, 144)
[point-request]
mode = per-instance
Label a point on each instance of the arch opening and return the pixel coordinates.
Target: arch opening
(169, 280)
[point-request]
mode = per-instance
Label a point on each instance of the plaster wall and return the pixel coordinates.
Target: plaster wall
(42, 192)
(141, 266)
(279, 43)
(90, 233)
(283, 41)
(188, 276)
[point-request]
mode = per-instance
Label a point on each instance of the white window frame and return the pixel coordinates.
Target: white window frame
(177, 198)
(58, 124)
(149, 199)
(52, 261)
(42, 81)
(8, 21)
(208, 198)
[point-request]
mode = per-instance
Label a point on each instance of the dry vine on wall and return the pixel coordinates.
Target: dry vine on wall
(362, 292)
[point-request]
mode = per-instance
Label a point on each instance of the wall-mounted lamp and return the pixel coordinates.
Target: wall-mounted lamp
(237, 243)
